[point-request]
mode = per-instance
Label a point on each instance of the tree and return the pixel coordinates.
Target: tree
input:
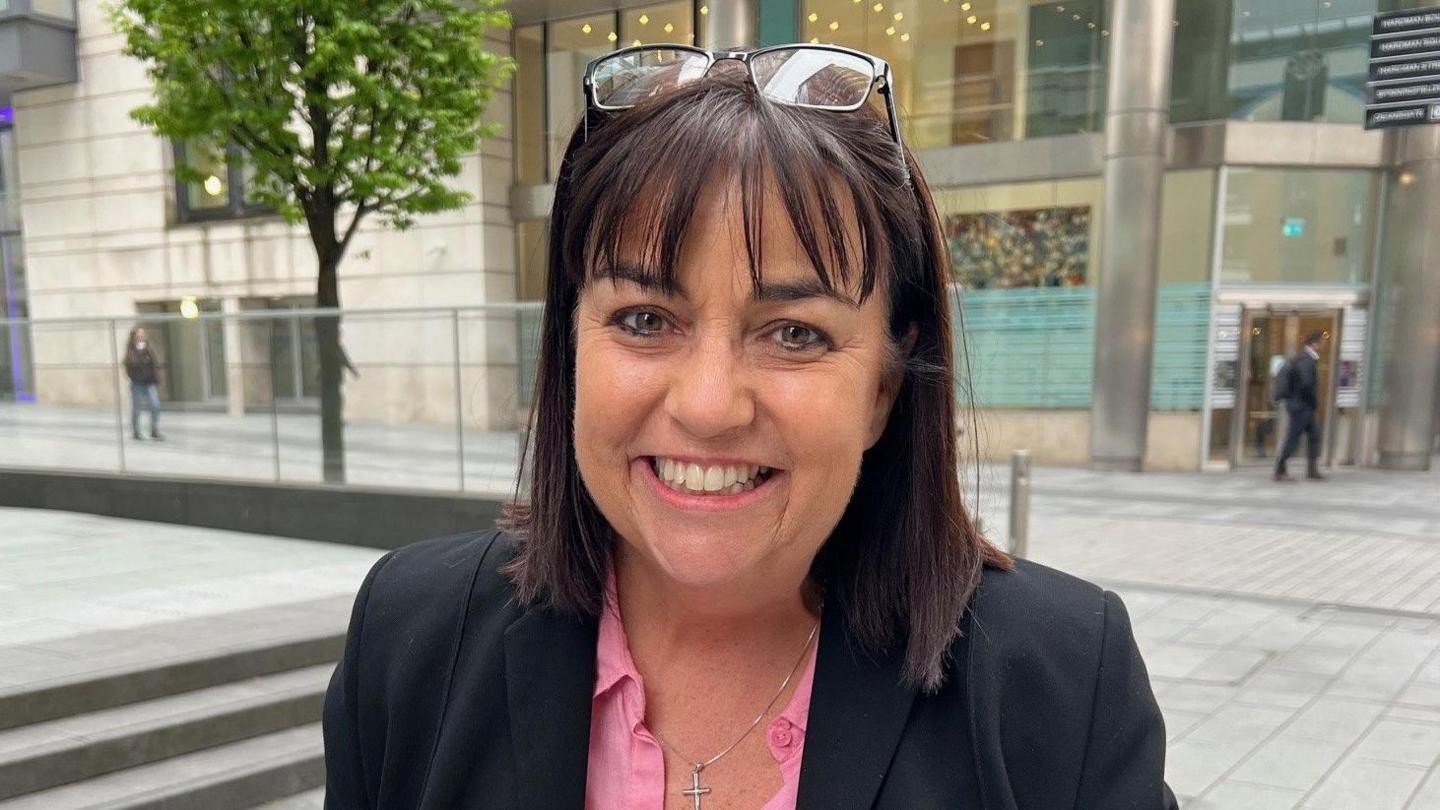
(345, 109)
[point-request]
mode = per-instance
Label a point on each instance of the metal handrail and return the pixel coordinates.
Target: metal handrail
(267, 314)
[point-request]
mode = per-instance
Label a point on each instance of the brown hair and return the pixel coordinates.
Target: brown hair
(905, 558)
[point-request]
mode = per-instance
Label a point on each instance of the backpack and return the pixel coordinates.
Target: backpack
(1284, 385)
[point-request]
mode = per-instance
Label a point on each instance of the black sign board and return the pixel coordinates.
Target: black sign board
(1398, 92)
(1406, 45)
(1404, 85)
(1402, 116)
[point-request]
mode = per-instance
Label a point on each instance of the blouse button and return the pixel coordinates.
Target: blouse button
(780, 733)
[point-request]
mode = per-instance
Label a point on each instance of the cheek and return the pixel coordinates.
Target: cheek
(824, 420)
(612, 399)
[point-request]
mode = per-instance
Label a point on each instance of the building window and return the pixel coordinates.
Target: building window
(223, 188)
(975, 71)
(551, 59)
(1298, 226)
(1281, 60)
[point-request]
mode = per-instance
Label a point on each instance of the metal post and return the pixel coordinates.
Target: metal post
(1136, 123)
(730, 24)
(459, 400)
(274, 413)
(115, 382)
(1020, 502)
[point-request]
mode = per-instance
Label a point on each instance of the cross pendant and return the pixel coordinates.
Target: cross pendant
(695, 791)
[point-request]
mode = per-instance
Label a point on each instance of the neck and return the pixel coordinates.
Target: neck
(665, 618)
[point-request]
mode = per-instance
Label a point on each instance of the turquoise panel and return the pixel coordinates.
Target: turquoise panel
(778, 22)
(1035, 347)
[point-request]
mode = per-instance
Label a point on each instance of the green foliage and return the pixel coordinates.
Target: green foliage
(365, 106)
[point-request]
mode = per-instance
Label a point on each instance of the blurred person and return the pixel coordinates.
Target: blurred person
(142, 368)
(1298, 387)
(745, 577)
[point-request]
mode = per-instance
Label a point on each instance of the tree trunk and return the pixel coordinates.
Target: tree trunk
(332, 373)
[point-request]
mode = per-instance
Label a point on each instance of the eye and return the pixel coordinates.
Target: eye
(641, 321)
(798, 337)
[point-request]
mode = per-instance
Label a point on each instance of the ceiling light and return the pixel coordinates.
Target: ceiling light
(904, 37)
(669, 27)
(585, 29)
(704, 9)
(899, 15)
(813, 17)
(834, 25)
(644, 19)
(985, 26)
(971, 19)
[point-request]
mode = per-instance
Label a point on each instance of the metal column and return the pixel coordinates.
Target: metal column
(1136, 123)
(1411, 394)
(730, 24)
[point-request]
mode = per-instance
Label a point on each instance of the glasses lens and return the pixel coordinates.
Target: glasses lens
(813, 77)
(627, 79)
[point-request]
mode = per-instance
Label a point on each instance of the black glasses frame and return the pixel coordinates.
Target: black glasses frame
(881, 76)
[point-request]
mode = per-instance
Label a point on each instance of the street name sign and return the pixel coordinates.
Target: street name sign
(1404, 82)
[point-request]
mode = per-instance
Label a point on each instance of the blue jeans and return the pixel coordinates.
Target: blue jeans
(144, 395)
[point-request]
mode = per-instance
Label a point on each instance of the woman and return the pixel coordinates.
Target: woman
(745, 577)
(140, 367)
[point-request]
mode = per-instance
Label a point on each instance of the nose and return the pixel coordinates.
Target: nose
(710, 392)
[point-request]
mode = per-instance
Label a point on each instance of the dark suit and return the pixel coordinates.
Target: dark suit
(1302, 403)
(451, 696)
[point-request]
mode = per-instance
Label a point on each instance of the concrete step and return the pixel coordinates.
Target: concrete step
(104, 670)
(58, 752)
(228, 777)
(309, 800)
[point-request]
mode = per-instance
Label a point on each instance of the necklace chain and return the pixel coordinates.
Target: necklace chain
(698, 765)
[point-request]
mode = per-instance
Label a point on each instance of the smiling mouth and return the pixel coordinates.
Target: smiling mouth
(720, 479)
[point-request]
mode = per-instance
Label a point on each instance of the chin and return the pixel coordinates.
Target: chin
(702, 557)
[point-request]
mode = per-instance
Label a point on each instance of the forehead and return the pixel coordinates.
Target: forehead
(744, 232)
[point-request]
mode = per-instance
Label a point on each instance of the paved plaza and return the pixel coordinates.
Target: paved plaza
(1292, 631)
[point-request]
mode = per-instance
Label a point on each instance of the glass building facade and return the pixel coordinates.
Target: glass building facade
(1271, 208)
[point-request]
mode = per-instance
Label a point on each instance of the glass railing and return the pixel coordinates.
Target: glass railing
(433, 399)
(59, 9)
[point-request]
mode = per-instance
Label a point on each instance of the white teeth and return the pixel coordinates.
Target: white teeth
(692, 478)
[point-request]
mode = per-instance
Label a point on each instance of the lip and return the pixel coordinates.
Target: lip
(704, 503)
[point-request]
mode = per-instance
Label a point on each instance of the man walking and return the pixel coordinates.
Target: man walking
(1300, 391)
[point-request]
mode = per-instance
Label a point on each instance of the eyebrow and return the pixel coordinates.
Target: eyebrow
(766, 292)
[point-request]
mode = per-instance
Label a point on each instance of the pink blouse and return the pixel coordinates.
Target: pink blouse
(627, 765)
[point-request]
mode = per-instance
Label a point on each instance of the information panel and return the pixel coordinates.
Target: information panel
(1404, 82)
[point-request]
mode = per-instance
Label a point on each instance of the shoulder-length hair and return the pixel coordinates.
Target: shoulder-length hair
(905, 558)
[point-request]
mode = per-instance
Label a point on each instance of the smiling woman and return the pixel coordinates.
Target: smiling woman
(745, 577)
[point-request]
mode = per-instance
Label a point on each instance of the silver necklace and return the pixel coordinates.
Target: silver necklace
(697, 790)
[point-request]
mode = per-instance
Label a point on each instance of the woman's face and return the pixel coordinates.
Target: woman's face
(719, 431)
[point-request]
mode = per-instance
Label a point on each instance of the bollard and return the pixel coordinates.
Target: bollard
(1019, 502)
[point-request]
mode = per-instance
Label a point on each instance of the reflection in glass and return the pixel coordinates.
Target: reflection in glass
(657, 24)
(530, 104)
(1278, 60)
(1288, 226)
(973, 71)
(570, 45)
(212, 190)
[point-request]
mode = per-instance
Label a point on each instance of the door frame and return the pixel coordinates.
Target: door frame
(1280, 309)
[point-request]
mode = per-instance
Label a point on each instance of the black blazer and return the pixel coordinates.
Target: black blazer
(1303, 390)
(450, 696)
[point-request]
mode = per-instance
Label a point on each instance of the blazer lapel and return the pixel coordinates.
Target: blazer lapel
(858, 709)
(550, 678)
